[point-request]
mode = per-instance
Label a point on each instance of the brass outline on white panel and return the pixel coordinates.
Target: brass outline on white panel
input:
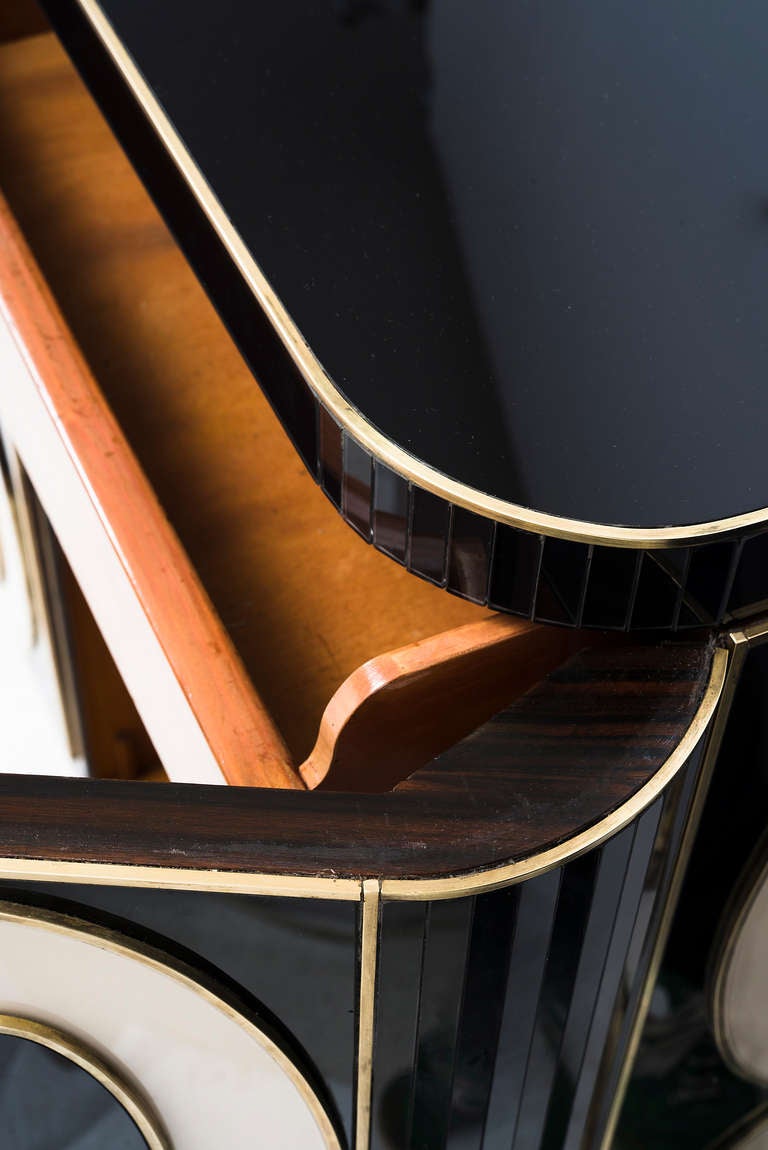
(352, 420)
(87, 1059)
(202, 985)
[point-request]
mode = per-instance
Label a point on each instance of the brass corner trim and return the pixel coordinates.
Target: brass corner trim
(361, 430)
(82, 1055)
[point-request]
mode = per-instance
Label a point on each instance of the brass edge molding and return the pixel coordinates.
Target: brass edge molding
(369, 954)
(87, 1059)
(181, 878)
(509, 873)
(363, 432)
(416, 889)
(202, 985)
(739, 644)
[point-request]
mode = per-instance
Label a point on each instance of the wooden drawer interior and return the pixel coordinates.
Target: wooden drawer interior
(303, 599)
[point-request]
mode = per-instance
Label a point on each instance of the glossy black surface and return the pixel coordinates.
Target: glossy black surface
(502, 1021)
(47, 1101)
(529, 244)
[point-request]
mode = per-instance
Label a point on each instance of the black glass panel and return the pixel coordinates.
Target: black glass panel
(430, 518)
(657, 598)
(613, 574)
(331, 458)
(48, 1101)
(710, 572)
(512, 235)
(749, 586)
(356, 493)
(515, 574)
(390, 512)
(564, 568)
(469, 555)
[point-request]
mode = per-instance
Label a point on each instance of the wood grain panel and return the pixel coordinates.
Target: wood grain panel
(568, 753)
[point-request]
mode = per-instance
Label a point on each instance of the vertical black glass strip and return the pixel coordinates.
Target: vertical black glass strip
(469, 555)
(390, 512)
(530, 947)
(675, 807)
(396, 1027)
(642, 836)
(331, 461)
(609, 588)
(515, 574)
(485, 985)
(573, 909)
(445, 956)
(356, 488)
(563, 575)
(609, 891)
(430, 517)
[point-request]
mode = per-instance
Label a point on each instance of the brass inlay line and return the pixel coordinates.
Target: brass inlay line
(379, 445)
(369, 948)
(739, 647)
(87, 1059)
(110, 940)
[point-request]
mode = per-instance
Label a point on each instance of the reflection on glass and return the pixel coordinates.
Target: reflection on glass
(47, 1101)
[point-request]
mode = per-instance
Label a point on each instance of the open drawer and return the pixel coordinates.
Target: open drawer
(240, 610)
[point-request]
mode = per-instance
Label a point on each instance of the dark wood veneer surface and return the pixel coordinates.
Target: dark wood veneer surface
(565, 755)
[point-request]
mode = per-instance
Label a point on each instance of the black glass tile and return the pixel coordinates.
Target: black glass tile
(750, 585)
(430, 518)
(657, 598)
(563, 574)
(390, 512)
(356, 487)
(610, 587)
(515, 573)
(331, 459)
(709, 574)
(469, 555)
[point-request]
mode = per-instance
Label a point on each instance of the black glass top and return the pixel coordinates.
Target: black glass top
(527, 241)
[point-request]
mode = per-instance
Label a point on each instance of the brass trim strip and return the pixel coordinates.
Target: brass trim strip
(510, 873)
(739, 647)
(182, 878)
(87, 1059)
(327, 393)
(369, 955)
(117, 943)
